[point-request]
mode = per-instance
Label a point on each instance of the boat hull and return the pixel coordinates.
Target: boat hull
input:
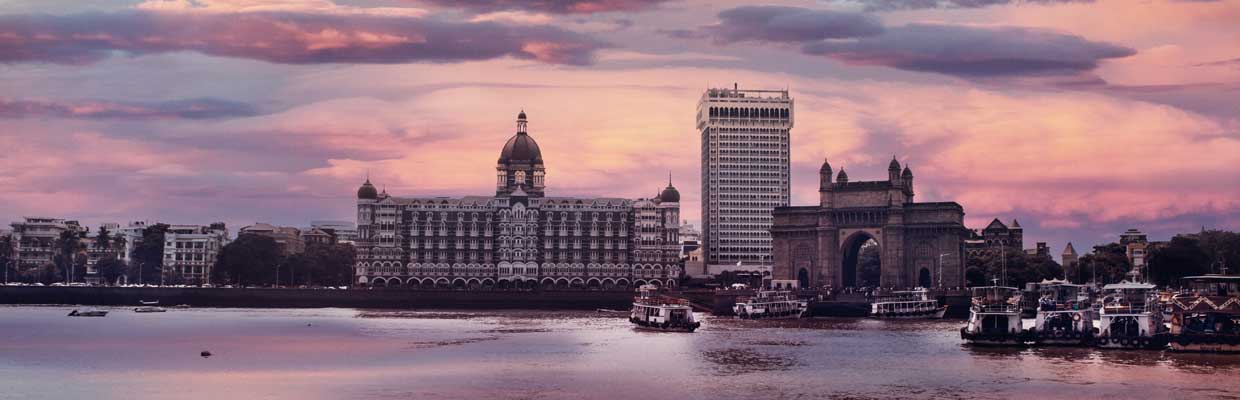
(932, 314)
(977, 339)
(1131, 343)
(1205, 343)
(644, 326)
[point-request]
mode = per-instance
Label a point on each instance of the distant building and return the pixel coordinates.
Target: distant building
(690, 239)
(317, 236)
(1136, 246)
(745, 173)
(995, 237)
(1069, 257)
(519, 237)
(1040, 250)
(343, 231)
(190, 251)
(35, 239)
(288, 238)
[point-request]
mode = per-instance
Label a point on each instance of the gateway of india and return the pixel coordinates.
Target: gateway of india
(920, 244)
(517, 238)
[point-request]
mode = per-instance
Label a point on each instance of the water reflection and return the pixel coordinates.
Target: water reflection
(372, 354)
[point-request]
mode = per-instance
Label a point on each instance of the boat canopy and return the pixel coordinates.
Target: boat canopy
(1129, 286)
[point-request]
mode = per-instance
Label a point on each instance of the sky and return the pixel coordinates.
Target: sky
(1078, 118)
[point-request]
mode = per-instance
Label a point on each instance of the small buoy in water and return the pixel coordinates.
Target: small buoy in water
(205, 354)
(308, 325)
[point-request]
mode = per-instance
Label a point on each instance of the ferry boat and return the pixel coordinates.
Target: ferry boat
(994, 317)
(652, 311)
(770, 304)
(1131, 317)
(1205, 317)
(907, 304)
(1065, 315)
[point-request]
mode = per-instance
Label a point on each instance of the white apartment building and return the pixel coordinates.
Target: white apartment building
(34, 240)
(745, 173)
(190, 251)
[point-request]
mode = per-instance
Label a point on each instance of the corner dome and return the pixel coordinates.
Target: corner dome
(894, 165)
(367, 191)
(521, 148)
(670, 195)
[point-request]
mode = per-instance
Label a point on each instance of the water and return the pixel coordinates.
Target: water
(362, 354)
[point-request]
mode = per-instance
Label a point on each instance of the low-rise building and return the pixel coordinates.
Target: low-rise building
(190, 251)
(288, 238)
(343, 231)
(35, 240)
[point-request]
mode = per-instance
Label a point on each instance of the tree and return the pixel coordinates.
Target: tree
(249, 260)
(104, 239)
(149, 254)
(1223, 249)
(1182, 256)
(869, 265)
(1011, 266)
(1109, 263)
(111, 268)
(67, 246)
(7, 260)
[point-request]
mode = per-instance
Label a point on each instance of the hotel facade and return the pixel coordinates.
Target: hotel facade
(519, 237)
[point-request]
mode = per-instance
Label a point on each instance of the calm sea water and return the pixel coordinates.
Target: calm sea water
(363, 354)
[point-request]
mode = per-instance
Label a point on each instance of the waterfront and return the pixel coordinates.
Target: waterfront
(345, 353)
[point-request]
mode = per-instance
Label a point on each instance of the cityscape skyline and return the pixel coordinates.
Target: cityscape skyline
(1142, 134)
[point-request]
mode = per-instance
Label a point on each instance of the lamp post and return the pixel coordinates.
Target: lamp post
(940, 273)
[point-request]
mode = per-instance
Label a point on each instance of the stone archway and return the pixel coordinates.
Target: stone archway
(923, 278)
(857, 251)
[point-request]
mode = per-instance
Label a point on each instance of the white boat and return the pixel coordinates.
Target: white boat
(149, 309)
(1131, 317)
(994, 317)
(907, 304)
(88, 313)
(149, 302)
(1206, 316)
(652, 311)
(770, 304)
(1065, 315)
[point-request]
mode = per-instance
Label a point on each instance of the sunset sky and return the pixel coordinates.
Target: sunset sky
(1079, 118)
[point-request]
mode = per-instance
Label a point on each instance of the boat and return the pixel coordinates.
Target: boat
(149, 302)
(149, 309)
(1131, 317)
(181, 306)
(1205, 316)
(655, 312)
(1065, 315)
(88, 313)
(907, 304)
(770, 304)
(994, 317)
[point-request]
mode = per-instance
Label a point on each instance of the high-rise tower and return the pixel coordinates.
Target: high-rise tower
(745, 173)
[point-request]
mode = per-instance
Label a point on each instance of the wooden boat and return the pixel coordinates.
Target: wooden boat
(1205, 317)
(655, 312)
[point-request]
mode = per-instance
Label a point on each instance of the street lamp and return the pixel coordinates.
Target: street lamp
(940, 273)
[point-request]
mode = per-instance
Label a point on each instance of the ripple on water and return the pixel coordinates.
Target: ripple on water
(733, 361)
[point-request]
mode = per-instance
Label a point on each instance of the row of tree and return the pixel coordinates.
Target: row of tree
(254, 260)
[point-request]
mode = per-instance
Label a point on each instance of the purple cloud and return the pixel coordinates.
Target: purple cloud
(287, 38)
(790, 24)
(93, 109)
(550, 6)
(893, 5)
(973, 51)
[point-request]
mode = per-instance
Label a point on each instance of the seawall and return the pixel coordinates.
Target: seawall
(314, 298)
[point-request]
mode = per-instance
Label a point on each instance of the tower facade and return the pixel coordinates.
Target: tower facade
(745, 173)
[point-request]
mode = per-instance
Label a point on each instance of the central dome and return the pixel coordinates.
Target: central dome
(521, 148)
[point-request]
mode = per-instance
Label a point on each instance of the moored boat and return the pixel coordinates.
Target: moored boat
(88, 313)
(1065, 316)
(994, 317)
(907, 304)
(770, 304)
(1131, 318)
(652, 311)
(1205, 317)
(149, 309)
